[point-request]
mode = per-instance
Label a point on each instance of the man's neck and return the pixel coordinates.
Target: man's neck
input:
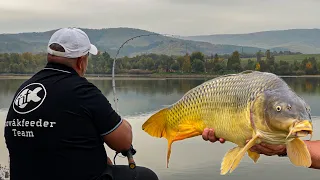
(64, 61)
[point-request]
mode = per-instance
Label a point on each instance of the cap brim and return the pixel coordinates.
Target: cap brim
(93, 50)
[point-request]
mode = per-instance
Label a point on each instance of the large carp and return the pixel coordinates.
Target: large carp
(253, 105)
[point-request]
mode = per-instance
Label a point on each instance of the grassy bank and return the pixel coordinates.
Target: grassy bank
(288, 58)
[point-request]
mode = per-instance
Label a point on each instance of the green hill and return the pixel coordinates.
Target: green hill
(297, 40)
(111, 39)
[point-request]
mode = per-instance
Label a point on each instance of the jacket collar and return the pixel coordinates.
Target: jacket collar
(60, 67)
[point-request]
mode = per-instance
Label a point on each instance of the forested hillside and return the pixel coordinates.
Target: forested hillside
(297, 40)
(111, 39)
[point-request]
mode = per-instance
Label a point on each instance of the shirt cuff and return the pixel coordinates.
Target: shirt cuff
(114, 128)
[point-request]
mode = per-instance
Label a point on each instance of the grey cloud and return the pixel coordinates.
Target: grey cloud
(180, 17)
(200, 2)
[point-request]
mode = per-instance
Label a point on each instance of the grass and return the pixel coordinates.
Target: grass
(288, 58)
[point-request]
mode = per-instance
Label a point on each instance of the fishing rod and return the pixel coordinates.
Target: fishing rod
(129, 153)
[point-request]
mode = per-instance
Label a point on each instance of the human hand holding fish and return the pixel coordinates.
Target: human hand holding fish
(269, 149)
(208, 134)
(262, 148)
(272, 149)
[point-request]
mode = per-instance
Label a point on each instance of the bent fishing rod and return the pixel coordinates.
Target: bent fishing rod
(129, 153)
(114, 62)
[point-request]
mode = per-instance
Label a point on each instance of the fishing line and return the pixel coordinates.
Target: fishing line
(114, 158)
(115, 99)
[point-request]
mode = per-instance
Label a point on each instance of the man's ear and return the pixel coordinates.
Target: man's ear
(79, 63)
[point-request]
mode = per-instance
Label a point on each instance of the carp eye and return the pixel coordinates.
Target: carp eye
(278, 108)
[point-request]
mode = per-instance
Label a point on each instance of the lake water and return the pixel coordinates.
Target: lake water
(192, 158)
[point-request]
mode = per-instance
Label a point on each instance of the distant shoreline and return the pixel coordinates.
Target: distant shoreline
(119, 76)
(140, 76)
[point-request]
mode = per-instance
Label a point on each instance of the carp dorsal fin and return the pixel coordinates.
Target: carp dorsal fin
(247, 72)
(234, 74)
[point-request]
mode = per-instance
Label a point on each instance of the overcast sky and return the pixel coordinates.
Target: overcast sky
(178, 17)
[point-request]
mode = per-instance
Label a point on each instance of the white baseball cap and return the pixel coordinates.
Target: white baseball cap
(75, 42)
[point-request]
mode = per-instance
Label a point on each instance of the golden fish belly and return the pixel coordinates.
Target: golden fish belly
(229, 121)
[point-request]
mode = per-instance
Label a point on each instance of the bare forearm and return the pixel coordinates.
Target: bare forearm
(129, 135)
(314, 149)
(126, 138)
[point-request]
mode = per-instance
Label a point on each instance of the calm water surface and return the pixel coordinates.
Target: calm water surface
(190, 159)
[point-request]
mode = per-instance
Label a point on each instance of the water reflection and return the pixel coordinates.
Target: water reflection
(192, 158)
(150, 86)
(145, 95)
(304, 84)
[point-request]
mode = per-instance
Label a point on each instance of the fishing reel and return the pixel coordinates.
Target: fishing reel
(129, 154)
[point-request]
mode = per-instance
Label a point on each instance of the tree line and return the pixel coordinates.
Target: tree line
(196, 62)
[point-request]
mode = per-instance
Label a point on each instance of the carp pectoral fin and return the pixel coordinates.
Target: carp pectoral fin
(298, 153)
(253, 155)
(228, 160)
(240, 155)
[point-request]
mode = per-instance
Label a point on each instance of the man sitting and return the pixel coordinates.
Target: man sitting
(58, 122)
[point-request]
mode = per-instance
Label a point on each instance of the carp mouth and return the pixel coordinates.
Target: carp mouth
(302, 133)
(301, 129)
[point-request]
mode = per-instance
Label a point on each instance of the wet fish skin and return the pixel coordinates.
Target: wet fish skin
(250, 105)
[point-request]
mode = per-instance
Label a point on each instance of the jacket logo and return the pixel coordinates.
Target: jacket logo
(29, 98)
